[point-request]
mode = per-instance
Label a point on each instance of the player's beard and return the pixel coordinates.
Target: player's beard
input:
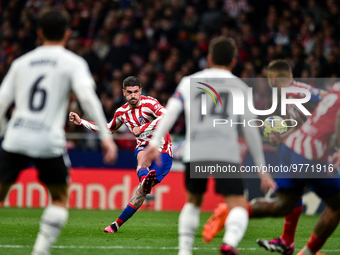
(133, 101)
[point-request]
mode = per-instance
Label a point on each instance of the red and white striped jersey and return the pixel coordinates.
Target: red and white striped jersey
(316, 96)
(146, 116)
(312, 139)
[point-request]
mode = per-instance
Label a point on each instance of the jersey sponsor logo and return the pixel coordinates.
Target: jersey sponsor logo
(30, 124)
(157, 107)
(145, 134)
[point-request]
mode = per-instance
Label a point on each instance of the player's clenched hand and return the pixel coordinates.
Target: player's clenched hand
(151, 153)
(136, 131)
(110, 150)
(73, 117)
(267, 184)
(274, 138)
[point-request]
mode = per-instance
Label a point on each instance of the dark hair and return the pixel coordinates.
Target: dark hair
(280, 68)
(131, 81)
(54, 23)
(222, 50)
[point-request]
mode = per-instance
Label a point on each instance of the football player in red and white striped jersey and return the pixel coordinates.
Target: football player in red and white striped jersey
(280, 75)
(140, 114)
(307, 148)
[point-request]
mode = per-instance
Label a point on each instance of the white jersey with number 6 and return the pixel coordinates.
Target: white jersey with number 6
(39, 83)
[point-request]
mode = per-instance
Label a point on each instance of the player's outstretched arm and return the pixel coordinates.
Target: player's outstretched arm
(74, 118)
(110, 149)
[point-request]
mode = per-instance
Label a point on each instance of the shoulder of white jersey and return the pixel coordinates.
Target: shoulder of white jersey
(68, 56)
(184, 85)
(23, 58)
(185, 81)
(73, 58)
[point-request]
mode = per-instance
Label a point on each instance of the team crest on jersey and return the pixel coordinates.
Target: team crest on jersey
(141, 120)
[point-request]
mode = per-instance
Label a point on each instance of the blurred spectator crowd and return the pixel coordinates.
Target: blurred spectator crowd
(163, 40)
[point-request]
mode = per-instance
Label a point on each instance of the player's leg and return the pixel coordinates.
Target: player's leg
(324, 227)
(134, 204)
(145, 183)
(288, 187)
(286, 240)
(53, 173)
(329, 191)
(10, 166)
(215, 223)
(188, 220)
(146, 176)
(285, 243)
(281, 205)
(288, 196)
(147, 180)
(290, 224)
(236, 223)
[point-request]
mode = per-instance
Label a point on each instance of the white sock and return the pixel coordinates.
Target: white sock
(52, 221)
(235, 226)
(307, 251)
(188, 222)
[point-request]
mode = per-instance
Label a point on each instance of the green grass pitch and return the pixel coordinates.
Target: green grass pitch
(147, 232)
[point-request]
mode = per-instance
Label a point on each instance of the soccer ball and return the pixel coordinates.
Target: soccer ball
(274, 124)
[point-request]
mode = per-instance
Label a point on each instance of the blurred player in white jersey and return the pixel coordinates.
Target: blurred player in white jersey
(40, 83)
(279, 76)
(141, 115)
(221, 60)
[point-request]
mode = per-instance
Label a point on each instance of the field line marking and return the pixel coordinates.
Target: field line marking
(133, 247)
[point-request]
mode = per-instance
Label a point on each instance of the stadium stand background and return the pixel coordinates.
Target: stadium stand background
(162, 41)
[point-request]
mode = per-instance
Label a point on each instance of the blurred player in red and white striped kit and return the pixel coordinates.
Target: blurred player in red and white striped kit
(141, 115)
(279, 75)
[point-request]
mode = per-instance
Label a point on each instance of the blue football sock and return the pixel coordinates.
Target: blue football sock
(142, 172)
(127, 213)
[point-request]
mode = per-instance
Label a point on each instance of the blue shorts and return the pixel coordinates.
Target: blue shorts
(323, 187)
(161, 171)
